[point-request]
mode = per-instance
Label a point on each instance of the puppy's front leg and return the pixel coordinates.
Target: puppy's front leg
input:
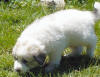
(55, 58)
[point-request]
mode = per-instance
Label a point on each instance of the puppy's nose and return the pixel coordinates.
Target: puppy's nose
(18, 70)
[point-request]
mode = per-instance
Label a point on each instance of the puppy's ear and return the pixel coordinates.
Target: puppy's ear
(40, 58)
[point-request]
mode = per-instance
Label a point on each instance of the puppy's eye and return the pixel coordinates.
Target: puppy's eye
(24, 61)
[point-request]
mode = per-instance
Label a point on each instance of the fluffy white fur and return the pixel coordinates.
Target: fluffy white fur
(55, 3)
(51, 34)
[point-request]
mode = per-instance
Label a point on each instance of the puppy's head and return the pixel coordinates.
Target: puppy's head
(97, 10)
(27, 55)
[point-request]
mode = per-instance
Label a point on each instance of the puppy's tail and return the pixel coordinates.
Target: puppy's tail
(97, 11)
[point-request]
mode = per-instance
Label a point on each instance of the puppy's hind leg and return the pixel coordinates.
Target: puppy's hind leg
(90, 48)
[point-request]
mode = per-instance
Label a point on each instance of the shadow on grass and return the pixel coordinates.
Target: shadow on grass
(67, 65)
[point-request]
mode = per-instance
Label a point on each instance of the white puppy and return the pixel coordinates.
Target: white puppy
(59, 4)
(51, 34)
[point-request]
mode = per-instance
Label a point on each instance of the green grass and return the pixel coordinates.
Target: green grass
(16, 15)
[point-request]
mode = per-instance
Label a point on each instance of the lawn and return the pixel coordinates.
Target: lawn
(17, 14)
